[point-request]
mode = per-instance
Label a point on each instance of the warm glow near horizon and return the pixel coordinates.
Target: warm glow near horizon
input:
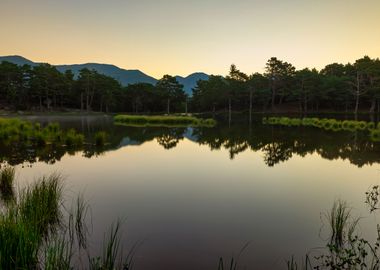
(179, 37)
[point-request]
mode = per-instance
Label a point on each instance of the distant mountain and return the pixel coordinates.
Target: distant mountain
(190, 81)
(18, 60)
(124, 76)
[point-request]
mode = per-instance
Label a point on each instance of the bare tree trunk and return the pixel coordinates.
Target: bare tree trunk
(168, 106)
(373, 105)
(81, 102)
(356, 104)
(186, 106)
(229, 112)
(357, 94)
(273, 96)
(87, 102)
(305, 103)
(250, 105)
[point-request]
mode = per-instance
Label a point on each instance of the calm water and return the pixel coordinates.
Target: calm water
(194, 195)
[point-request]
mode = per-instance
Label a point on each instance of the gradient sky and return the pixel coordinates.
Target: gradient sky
(182, 36)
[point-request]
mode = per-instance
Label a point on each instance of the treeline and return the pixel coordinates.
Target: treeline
(337, 87)
(44, 88)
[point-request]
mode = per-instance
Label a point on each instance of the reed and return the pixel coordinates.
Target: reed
(100, 138)
(14, 130)
(163, 120)
(72, 138)
(40, 204)
(327, 124)
(34, 235)
(375, 135)
(7, 176)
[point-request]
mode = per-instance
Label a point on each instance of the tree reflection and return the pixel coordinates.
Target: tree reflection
(278, 144)
(170, 138)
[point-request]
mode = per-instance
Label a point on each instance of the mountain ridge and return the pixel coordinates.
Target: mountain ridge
(124, 76)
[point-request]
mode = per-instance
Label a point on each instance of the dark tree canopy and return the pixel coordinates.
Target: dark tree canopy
(351, 87)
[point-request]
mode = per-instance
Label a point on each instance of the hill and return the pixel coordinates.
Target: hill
(124, 76)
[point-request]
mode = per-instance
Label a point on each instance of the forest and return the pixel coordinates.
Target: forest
(352, 87)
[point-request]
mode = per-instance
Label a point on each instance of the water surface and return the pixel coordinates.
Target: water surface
(193, 195)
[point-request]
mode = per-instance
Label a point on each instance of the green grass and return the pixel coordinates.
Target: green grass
(13, 130)
(27, 223)
(40, 204)
(163, 120)
(375, 135)
(100, 138)
(35, 235)
(7, 176)
(327, 124)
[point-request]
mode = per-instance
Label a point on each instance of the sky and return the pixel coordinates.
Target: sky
(179, 37)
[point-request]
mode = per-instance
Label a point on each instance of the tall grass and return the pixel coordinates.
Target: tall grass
(7, 176)
(100, 138)
(35, 235)
(14, 130)
(234, 262)
(163, 120)
(40, 204)
(327, 124)
(344, 249)
(26, 223)
(342, 225)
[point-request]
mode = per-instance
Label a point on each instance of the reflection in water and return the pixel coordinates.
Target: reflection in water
(205, 205)
(278, 144)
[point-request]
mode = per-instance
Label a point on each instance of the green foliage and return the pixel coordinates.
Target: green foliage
(375, 135)
(337, 87)
(100, 138)
(24, 225)
(34, 235)
(72, 138)
(143, 120)
(39, 204)
(19, 242)
(14, 130)
(7, 176)
(327, 124)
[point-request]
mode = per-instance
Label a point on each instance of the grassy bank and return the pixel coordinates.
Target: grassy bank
(163, 120)
(327, 124)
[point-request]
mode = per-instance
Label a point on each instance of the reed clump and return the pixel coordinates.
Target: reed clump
(375, 135)
(100, 138)
(163, 120)
(7, 176)
(72, 138)
(13, 130)
(327, 124)
(35, 235)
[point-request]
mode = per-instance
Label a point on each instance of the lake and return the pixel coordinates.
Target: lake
(193, 195)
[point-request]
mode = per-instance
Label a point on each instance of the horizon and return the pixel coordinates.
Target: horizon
(182, 38)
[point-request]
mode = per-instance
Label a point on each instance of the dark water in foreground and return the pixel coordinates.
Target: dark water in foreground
(194, 195)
